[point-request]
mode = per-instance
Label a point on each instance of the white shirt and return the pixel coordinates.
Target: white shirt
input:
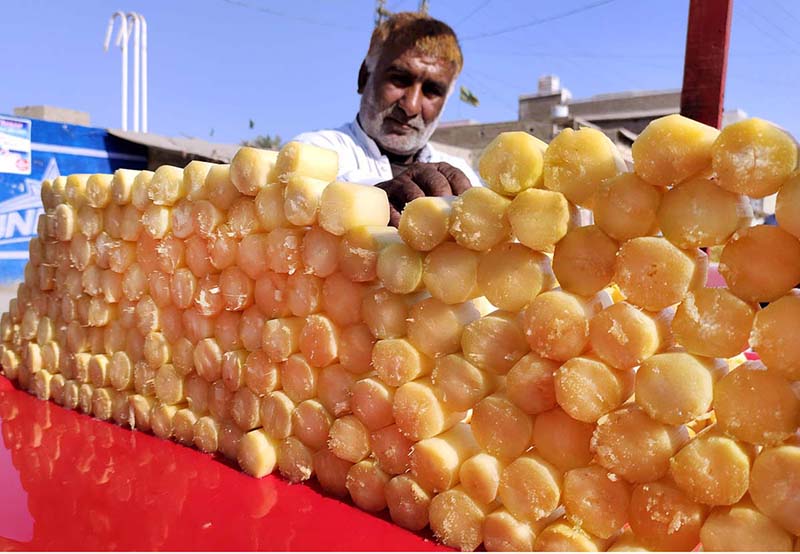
(361, 161)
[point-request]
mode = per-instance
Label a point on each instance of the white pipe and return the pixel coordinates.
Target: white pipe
(133, 21)
(144, 73)
(122, 40)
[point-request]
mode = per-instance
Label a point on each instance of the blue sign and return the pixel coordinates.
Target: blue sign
(54, 149)
(15, 145)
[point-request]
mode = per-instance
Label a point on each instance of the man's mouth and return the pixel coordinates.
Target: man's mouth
(401, 125)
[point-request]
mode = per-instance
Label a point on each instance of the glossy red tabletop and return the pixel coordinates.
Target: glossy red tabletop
(70, 482)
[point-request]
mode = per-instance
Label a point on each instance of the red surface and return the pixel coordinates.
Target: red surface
(714, 279)
(705, 65)
(70, 482)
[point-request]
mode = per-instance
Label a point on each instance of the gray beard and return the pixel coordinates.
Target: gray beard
(371, 118)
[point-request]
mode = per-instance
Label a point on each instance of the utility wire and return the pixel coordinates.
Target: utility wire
(787, 12)
(774, 25)
(300, 19)
(763, 31)
(473, 12)
(535, 22)
(490, 90)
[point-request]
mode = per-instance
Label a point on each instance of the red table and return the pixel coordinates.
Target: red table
(70, 482)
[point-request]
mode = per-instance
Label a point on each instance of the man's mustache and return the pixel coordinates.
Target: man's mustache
(396, 112)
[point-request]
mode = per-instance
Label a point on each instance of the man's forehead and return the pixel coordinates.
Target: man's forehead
(412, 58)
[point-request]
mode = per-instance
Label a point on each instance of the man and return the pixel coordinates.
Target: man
(409, 72)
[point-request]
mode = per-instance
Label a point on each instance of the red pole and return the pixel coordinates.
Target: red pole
(707, 39)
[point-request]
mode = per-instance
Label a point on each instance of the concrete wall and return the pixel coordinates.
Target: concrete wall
(53, 113)
(666, 101)
(539, 107)
(477, 136)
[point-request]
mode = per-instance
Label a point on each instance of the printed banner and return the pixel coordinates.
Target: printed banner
(15, 145)
(54, 149)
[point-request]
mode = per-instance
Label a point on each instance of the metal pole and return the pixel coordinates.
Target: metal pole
(707, 40)
(144, 72)
(124, 37)
(133, 21)
(122, 41)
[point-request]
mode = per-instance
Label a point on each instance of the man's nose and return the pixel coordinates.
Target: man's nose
(411, 102)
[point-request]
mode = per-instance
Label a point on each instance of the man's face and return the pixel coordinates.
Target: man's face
(403, 99)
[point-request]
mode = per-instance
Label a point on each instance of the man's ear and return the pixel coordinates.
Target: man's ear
(363, 75)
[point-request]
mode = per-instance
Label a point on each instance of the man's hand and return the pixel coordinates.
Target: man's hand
(423, 179)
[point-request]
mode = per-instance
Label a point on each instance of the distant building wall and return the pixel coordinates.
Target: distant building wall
(647, 101)
(54, 113)
(477, 136)
(544, 114)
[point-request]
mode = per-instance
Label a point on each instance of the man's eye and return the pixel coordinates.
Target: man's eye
(432, 91)
(400, 80)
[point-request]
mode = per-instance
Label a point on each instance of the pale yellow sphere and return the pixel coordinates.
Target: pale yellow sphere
(753, 157)
(512, 162)
(756, 405)
(653, 273)
(713, 322)
(775, 480)
(626, 207)
(776, 336)
(671, 149)
(577, 162)
(584, 260)
(699, 213)
(761, 264)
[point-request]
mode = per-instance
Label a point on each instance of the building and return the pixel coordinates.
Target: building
(621, 116)
(160, 150)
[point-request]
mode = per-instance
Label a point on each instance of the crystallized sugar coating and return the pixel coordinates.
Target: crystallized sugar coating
(490, 369)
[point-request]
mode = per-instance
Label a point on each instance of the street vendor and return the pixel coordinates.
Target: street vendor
(405, 80)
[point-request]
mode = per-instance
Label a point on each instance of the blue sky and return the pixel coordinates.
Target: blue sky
(291, 66)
